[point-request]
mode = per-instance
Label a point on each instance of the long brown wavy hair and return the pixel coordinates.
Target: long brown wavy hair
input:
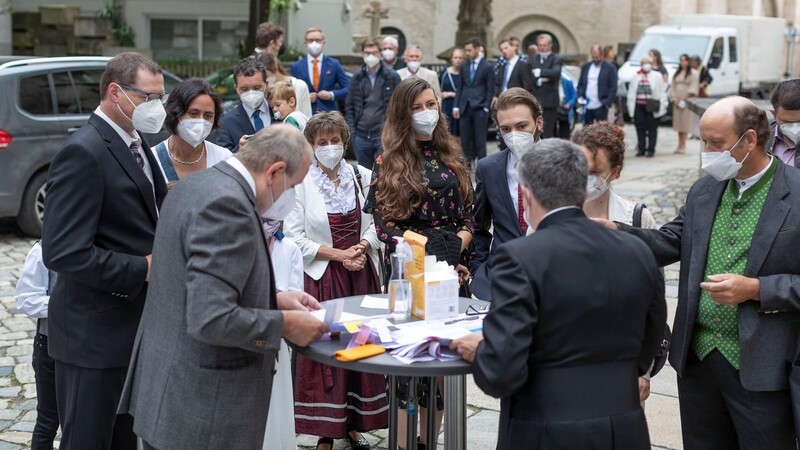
(400, 186)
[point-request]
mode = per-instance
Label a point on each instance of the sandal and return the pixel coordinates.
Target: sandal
(323, 441)
(360, 444)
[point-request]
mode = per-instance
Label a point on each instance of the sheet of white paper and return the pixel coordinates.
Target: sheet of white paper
(375, 302)
(343, 316)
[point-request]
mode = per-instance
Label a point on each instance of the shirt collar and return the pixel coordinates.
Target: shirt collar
(477, 60)
(747, 183)
(310, 59)
(513, 60)
(262, 108)
(236, 164)
(553, 211)
(126, 137)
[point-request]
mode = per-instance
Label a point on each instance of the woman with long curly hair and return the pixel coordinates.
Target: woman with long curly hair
(420, 183)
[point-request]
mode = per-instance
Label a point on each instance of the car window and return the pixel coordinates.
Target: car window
(87, 86)
(66, 101)
(34, 95)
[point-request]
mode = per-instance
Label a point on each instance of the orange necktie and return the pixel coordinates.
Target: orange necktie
(315, 75)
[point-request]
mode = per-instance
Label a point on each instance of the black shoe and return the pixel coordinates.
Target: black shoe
(361, 444)
(650, 154)
(322, 441)
(638, 154)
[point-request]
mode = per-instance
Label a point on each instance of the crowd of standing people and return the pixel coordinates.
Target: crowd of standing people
(169, 279)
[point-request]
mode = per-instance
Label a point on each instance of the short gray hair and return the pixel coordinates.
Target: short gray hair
(555, 171)
(275, 143)
(390, 40)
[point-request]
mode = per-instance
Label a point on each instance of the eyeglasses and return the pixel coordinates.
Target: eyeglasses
(149, 96)
(473, 310)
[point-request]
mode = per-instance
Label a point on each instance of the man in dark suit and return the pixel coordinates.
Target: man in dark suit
(254, 112)
(202, 366)
(737, 324)
(327, 82)
(546, 79)
(514, 72)
(498, 204)
(577, 313)
(785, 138)
(474, 95)
(597, 86)
(102, 208)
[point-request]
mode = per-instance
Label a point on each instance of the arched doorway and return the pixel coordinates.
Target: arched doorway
(530, 39)
(401, 38)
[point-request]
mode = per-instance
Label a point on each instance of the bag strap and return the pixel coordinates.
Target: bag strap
(358, 176)
(166, 163)
(637, 214)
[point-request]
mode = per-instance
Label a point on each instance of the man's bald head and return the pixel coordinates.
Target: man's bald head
(736, 115)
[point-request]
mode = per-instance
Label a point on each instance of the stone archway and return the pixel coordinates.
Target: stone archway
(531, 25)
(401, 37)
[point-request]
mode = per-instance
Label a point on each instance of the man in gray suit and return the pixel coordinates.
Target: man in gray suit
(201, 371)
(737, 324)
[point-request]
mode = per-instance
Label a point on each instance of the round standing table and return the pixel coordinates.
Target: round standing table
(455, 391)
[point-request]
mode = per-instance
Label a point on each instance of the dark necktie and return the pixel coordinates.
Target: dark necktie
(521, 211)
(258, 124)
(472, 70)
(136, 154)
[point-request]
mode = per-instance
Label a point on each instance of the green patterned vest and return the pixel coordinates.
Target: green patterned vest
(735, 223)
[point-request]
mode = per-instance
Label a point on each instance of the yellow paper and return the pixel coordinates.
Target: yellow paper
(352, 327)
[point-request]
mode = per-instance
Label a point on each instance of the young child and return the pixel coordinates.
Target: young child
(32, 294)
(283, 100)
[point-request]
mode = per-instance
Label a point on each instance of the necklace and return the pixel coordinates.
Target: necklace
(185, 163)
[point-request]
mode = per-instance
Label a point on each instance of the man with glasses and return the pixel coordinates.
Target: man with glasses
(369, 93)
(102, 208)
(327, 82)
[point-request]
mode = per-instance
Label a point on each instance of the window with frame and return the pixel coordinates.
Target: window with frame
(34, 95)
(197, 38)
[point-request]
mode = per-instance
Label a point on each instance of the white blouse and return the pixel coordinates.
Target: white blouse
(339, 200)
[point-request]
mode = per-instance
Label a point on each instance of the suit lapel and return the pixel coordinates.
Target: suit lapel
(244, 120)
(773, 215)
(704, 209)
(159, 185)
(122, 153)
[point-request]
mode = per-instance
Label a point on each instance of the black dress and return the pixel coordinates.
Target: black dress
(449, 81)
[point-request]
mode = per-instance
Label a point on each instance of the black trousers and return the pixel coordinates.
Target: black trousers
(549, 117)
(87, 405)
(596, 115)
(46, 409)
(646, 130)
(717, 412)
(473, 123)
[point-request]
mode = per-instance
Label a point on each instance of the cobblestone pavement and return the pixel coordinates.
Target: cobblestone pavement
(660, 182)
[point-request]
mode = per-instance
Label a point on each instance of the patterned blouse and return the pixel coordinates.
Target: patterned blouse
(442, 207)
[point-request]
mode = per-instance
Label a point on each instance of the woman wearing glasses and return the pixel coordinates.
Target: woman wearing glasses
(193, 111)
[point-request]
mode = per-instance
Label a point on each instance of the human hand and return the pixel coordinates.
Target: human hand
(149, 259)
(350, 253)
(731, 289)
(325, 95)
(297, 301)
(456, 113)
(644, 389)
(545, 79)
(606, 223)
(463, 274)
(537, 72)
(301, 328)
(355, 264)
(313, 97)
(467, 345)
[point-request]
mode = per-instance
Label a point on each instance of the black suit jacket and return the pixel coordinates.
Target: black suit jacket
(574, 299)
(477, 93)
(606, 82)
(547, 93)
(494, 210)
(99, 223)
(235, 124)
(521, 76)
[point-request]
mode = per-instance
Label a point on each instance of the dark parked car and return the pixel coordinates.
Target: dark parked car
(44, 101)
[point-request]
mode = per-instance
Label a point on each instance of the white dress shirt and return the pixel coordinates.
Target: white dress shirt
(263, 112)
(31, 290)
(747, 183)
(509, 67)
(310, 60)
(592, 92)
(513, 181)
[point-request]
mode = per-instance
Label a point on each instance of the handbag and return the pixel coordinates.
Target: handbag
(653, 105)
(661, 355)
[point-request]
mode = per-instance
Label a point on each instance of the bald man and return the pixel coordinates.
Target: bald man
(737, 323)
